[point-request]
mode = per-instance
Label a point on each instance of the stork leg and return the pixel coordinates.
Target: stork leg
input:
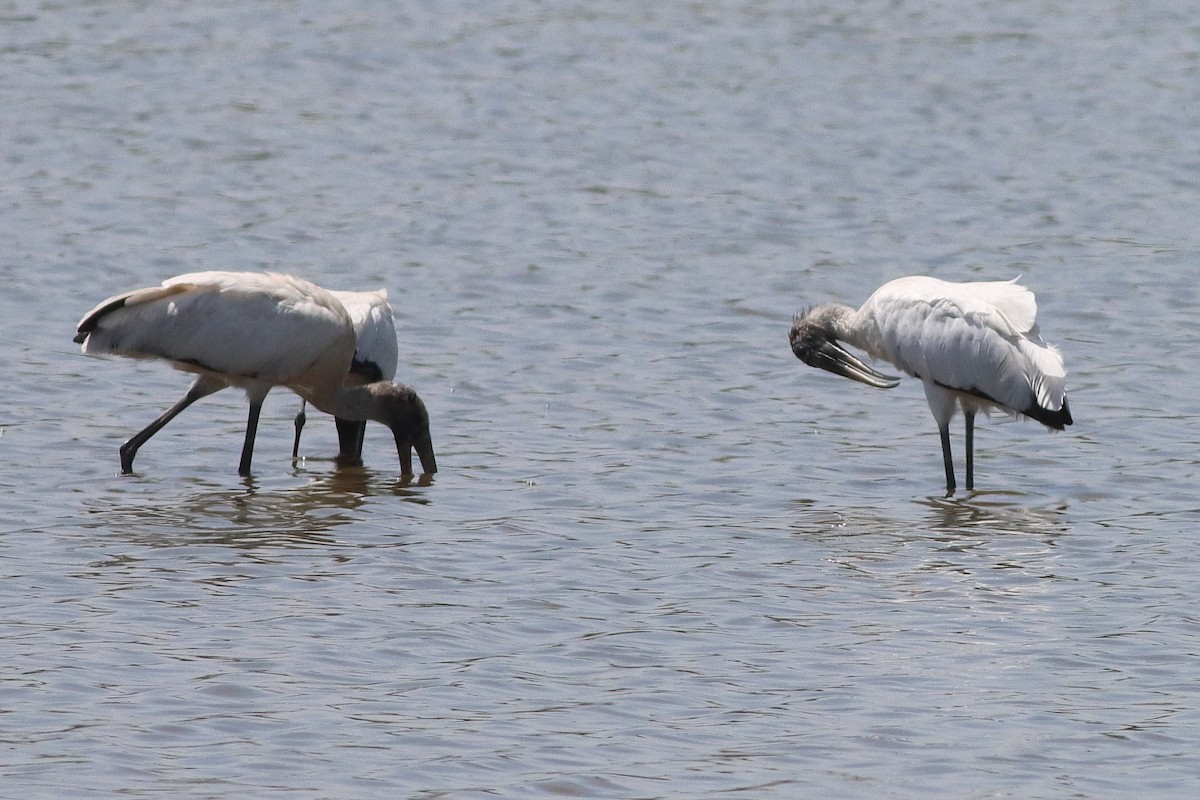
(299, 423)
(203, 387)
(350, 439)
(969, 416)
(251, 431)
(941, 405)
(944, 433)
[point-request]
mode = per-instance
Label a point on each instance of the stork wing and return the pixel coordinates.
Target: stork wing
(249, 325)
(979, 338)
(375, 330)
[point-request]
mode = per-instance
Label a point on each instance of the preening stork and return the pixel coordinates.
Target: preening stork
(375, 355)
(974, 346)
(254, 331)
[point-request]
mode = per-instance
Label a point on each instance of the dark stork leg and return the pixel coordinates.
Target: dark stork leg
(251, 431)
(201, 388)
(944, 433)
(350, 440)
(299, 424)
(969, 415)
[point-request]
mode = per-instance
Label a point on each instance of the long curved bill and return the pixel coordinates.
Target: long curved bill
(832, 357)
(424, 450)
(425, 453)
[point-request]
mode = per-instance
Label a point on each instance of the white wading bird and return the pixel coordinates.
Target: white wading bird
(254, 331)
(974, 345)
(375, 354)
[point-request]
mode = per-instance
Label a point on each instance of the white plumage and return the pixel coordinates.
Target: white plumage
(254, 331)
(975, 346)
(375, 356)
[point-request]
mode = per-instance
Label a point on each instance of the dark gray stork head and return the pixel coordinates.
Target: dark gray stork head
(813, 341)
(405, 414)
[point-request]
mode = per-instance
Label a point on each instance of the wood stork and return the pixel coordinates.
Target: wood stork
(973, 345)
(375, 355)
(254, 331)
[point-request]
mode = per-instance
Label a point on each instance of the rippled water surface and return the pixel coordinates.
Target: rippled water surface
(663, 558)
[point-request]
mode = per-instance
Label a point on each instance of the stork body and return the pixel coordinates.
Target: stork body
(974, 346)
(253, 331)
(375, 355)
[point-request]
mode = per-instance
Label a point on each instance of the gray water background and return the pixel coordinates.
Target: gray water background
(663, 558)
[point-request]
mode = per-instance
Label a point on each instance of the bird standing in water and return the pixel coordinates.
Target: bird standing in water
(254, 331)
(974, 346)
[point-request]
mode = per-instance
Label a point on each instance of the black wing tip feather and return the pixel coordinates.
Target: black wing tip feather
(1051, 419)
(368, 369)
(89, 323)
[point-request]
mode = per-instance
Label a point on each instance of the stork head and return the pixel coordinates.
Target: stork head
(813, 338)
(405, 414)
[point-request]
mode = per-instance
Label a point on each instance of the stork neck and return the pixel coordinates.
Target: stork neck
(849, 325)
(347, 402)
